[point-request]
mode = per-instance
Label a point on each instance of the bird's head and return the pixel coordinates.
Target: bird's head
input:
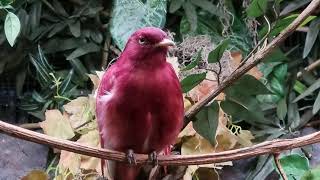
(148, 44)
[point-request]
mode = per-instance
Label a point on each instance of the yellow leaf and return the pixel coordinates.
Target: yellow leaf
(244, 138)
(79, 110)
(196, 145)
(88, 162)
(236, 58)
(36, 175)
(69, 161)
(95, 81)
(56, 125)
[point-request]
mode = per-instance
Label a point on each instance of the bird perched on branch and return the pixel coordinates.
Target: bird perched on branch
(139, 103)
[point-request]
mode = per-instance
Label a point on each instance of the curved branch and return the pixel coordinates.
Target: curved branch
(268, 147)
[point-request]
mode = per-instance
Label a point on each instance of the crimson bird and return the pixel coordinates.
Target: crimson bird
(139, 104)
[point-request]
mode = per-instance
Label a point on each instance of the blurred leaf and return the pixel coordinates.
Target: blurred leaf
(262, 169)
(241, 112)
(191, 81)
(11, 28)
(257, 8)
(282, 109)
(277, 86)
(309, 91)
(206, 122)
(175, 5)
(36, 175)
(129, 16)
(191, 15)
(57, 125)
(216, 54)
(275, 56)
(79, 68)
(58, 7)
(85, 49)
(35, 15)
(96, 36)
(54, 45)
(294, 165)
(299, 87)
(316, 105)
(293, 5)
(312, 35)
(248, 85)
(56, 28)
(6, 2)
(194, 60)
(74, 27)
(313, 174)
(208, 6)
(293, 113)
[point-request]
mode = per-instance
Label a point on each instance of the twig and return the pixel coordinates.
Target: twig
(267, 147)
(252, 61)
(105, 51)
(311, 67)
(30, 126)
(279, 167)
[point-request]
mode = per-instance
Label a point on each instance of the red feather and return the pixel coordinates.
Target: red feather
(139, 101)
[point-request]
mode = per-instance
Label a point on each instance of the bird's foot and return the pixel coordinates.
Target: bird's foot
(131, 157)
(153, 158)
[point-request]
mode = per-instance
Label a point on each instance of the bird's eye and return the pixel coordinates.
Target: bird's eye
(142, 41)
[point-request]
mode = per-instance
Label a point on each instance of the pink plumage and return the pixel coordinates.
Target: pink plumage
(139, 101)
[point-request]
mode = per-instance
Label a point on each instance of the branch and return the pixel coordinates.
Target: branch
(252, 61)
(279, 167)
(268, 147)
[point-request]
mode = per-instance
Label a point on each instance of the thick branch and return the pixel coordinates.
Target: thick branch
(268, 147)
(253, 60)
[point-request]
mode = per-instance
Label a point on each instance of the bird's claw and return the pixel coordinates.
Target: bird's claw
(131, 157)
(153, 158)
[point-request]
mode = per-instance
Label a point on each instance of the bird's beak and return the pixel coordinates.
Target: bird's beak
(165, 43)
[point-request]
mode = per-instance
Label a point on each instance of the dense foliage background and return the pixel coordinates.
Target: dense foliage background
(48, 48)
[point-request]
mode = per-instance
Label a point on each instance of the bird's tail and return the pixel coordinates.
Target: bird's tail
(121, 171)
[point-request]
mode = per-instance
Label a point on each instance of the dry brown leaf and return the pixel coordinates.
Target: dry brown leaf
(245, 138)
(196, 145)
(187, 131)
(88, 162)
(57, 125)
(95, 81)
(202, 89)
(236, 58)
(36, 175)
(80, 111)
(69, 161)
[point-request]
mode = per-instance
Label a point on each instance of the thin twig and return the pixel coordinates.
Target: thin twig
(253, 61)
(279, 167)
(105, 51)
(309, 68)
(30, 126)
(267, 147)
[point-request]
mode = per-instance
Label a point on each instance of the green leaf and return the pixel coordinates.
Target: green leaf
(257, 8)
(316, 105)
(312, 35)
(131, 15)
(12, 28)
(74, 27)
(5, 2)
(175, 5)
(313, 174)
(191, 15)
(216, 54)
(85, 49)
(275, 56)
(299, 87)
(194, 61)
(191, 81)
(293, 5)
(294, 165)
(56, 28)
(79, 68)
(248, 85)
(207, 122)
(208, 6)
(277, 86)
(242, 112)
(282, 109)
(309, 91)
(54, 45)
